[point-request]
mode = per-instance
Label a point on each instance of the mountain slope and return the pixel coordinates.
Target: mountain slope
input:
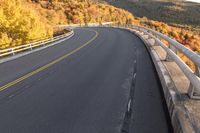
(177, 19)
(177, 12)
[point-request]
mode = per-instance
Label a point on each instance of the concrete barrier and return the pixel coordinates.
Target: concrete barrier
(181, 119)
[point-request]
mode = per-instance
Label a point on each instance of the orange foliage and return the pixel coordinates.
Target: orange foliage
(188, 38)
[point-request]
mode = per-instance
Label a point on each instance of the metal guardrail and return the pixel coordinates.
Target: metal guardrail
(89, 24)
(171, 50)
(31, 46)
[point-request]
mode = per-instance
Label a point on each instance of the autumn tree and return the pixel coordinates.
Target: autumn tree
(19, 24)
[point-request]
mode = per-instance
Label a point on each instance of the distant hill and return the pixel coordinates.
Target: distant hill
(173, 12)
(177, 19)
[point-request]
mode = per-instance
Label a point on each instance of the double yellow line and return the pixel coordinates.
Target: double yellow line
(48, 65)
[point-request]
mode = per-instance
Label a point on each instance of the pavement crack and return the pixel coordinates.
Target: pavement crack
(128, 114)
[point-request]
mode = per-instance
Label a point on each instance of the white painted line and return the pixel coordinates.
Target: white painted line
(129, 105)
(134, 76)
(11, 96)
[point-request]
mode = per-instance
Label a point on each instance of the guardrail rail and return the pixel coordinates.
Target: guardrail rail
(171, 50)
(31, 46)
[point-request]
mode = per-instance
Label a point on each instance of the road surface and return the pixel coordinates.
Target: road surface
(101, 80)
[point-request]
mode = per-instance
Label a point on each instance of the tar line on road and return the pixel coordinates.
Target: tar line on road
(127, 119)
(138, 110)
(10, 84)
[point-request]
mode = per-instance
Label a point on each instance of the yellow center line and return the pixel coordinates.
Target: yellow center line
(48, 65)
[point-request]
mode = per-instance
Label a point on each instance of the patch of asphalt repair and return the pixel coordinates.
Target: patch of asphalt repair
(128, 124)
(127, 119)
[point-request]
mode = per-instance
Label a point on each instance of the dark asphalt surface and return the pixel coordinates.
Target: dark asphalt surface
(88, 92)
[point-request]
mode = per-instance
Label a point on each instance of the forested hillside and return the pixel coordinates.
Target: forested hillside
(22, 21)
(174, 12)
(188, 38)
(175, 18)
(19, 24)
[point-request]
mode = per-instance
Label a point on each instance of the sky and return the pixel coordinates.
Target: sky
(194, 0)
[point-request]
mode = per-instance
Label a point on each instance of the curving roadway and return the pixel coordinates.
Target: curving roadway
(102, 80)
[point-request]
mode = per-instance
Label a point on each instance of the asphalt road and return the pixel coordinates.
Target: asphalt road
(101, 80)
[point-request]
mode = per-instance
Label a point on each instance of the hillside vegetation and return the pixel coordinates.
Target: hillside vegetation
(19, 24)
(23, 21)
(186, 37)
(173, 12)
(175, 18)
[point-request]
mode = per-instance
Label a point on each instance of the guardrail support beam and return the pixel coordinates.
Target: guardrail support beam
(13, 53)
(197, 70)
(193, 93)
(168, 58)
(31, 47)
(172, 51)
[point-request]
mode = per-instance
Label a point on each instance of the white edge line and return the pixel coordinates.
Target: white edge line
(129, 105)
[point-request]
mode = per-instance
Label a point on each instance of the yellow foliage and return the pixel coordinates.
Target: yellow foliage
(81, 11)
(23, 21)
(19, 24)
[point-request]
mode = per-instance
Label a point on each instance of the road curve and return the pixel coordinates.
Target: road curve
(84, 85)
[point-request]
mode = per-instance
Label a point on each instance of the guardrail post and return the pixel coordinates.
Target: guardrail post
(31, 47)
(13, 52)
(193, 93)
(168, 58)
(197, 71)
(173, 49)
(156, 42)
(152, 41)
(44, 43)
